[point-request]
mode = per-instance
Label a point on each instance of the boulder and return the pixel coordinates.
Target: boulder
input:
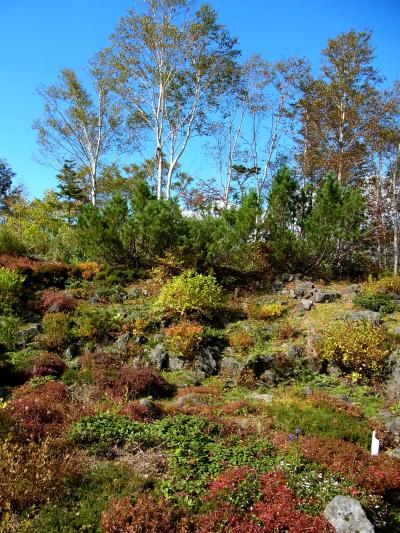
(133, 294)
(175, 363)
(123, 342)
(158, 357)
(321, 297)
(188, 400)
(151, 406)
(347, 516)
(358, 316)
(28, 334)
(206, 360)
(141, 339)
(72, 351)
(230, 366)
(268, 378)
(307, 305)
(393, 381)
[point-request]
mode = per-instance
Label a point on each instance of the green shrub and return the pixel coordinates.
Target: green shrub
(382, 303)
(96, 323)
(10, 289)
(359, 348)
(10, 243)
(85, 499)
(9, 326)
(57, 332)
(109, 429)
(190, 294)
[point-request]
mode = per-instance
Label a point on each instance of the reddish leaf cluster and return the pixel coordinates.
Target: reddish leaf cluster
(41, 410)
(274, 512)
(146, 515)
(122, 381)
(378, 473)
(141, 413)
(48, 365)
(56, 301)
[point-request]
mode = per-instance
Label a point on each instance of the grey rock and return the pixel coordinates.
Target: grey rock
(175, 363)
(29, 334)
(122, 343)
(347, 516)
(266, 398)
(141, 340)
(72, 351)
(287, 278)
(158, 357)
(307, 304)
(321, 297)
(396, 332)
(297, 292)
(334, 371)
(358, 316)
(268, 378)
(159, 337)
(206, 360)
(188, 400)
(394, 453)
(393, 381)
(133, 294)
(94, 298)
(54, 308)
(151, 406)
(261, 363)
(277, 286)
(230, 366)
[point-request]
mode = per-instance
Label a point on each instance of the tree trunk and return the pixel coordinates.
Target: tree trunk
(395, 219)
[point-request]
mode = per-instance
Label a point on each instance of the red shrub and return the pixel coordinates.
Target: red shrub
(48, 365)
(146, 515)
(141, 413)
(24, 265)
(226, 519)
(274, 512)
(56, 301)
(41, 410)
(228, 481)
(379, 473)
(133, 383)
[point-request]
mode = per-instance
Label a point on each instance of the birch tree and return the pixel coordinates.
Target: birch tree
(172, 65)
(83, 125)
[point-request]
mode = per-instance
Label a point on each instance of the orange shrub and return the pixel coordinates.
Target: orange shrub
(146, 515)
(240, 340)
(184, 338)
(89, 269)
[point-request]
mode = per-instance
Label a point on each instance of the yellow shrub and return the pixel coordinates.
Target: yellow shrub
(357, 348)
(184, 338)
(387, 285)
(269, 311)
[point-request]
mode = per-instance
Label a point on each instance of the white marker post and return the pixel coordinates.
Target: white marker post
(374, 445)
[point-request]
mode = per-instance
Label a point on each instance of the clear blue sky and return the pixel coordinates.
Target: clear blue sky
(39, 37)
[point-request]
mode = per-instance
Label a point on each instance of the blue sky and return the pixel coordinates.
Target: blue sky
(39, 37)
